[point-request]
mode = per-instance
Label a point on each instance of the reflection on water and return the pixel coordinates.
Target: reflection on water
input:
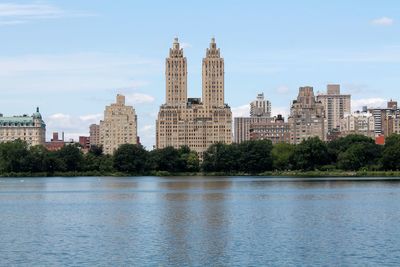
(198, 221)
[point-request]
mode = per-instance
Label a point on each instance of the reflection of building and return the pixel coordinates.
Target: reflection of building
(306, 117)
(335, 106)
(260, 112)
(274, 129)
(30, 129)
(55, 143)
(94, 132)
(359, 122)
(260, 107)
(386, 120)
(119, 126)
(188, 121)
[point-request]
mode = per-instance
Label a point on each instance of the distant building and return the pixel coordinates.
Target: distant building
(55, 143)
(306, 117)
(260, 112)
(119, 126)
(359, 122)
(274, 129)
(336, 105)
(94, 133)
(30, 129)
(386, 120)
(260, 107)
(190, 121)
(84, 142)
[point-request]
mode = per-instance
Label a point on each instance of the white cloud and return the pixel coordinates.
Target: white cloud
(383, 21)
(185, 45)
(282, 90)
(139, 98)
(14, 13)
(73, 126)
(241, 111)
(75, 72)
(377, 102)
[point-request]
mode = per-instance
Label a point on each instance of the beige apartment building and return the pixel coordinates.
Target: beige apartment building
(94, 134)
(197, 123)
(274, 129)
(359, 122)
(260, 107)
(336, 105)
(30, 129)
(306, 117)
(119, 126)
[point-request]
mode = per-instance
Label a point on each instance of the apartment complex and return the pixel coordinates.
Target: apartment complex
(94, 134)
(195, 122)
(260, 112)
(386, 120)
(30, 129)
(260, 107)
(306, 117)
(119, 126)
(336, 105)
(274, 129)
(359, 122)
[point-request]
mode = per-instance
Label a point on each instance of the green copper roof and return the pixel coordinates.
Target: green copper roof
(24, 120)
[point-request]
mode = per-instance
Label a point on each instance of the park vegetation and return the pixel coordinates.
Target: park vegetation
(353, 153)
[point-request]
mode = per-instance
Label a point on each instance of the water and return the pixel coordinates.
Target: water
(197, 221)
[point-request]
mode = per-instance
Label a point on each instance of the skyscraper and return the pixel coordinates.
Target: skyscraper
(191, 121)
(336, 105)
(306, 117)
(119, 126)
(260, 107)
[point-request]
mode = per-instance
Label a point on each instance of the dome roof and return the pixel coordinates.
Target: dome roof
(37, 114)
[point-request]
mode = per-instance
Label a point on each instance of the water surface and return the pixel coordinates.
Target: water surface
(198, 221)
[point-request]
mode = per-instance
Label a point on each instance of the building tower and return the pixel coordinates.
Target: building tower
(119, 126)
(260, 107)
(176, 76)
(213, 77)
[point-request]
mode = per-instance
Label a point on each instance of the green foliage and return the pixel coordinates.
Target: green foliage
(358, 156)
(72, 157)
(310, 154)
(342, 144)
(281, 155)
(391, 153)
(130, 158)
(221, 157)
(14, 156)
(255, 156)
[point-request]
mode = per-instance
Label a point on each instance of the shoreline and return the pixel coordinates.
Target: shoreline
(272, 174)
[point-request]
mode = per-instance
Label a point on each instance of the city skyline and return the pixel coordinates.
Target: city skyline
(72, 72)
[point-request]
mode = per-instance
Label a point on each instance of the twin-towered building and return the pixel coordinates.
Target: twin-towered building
(194, 122)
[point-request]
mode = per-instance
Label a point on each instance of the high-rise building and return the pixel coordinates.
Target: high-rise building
(274, 129)
(30, 129)
(260, 107)
(190, 121)
(335, 106)
(359, 122)
(386, 120)
(119, 126)
(306, 117)
(94, 133)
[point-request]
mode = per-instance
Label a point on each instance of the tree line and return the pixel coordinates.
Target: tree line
(350, 153)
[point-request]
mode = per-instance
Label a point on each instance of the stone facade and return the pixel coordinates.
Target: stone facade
(260, 107)
(306, 117)
(242, 127)
(274, 129)
(190, 121)
(119, 126)
(361, 123)
(386, 120)
(94, 133)
(30, 129)
(336, 105)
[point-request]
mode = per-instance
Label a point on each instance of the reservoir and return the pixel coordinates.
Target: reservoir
(199, 221)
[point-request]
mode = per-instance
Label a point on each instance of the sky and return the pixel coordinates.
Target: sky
(71, 57)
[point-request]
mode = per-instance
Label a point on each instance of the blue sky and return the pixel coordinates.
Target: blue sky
(72, 57)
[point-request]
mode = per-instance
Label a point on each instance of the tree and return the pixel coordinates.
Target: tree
(340, 145)
(391, 153)
(14, 156)
(255, 156)
(130, 158)
(71, 156)
(359, 155)
(221, 157)
(168, 159)
(281, 155)
(310, 154)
